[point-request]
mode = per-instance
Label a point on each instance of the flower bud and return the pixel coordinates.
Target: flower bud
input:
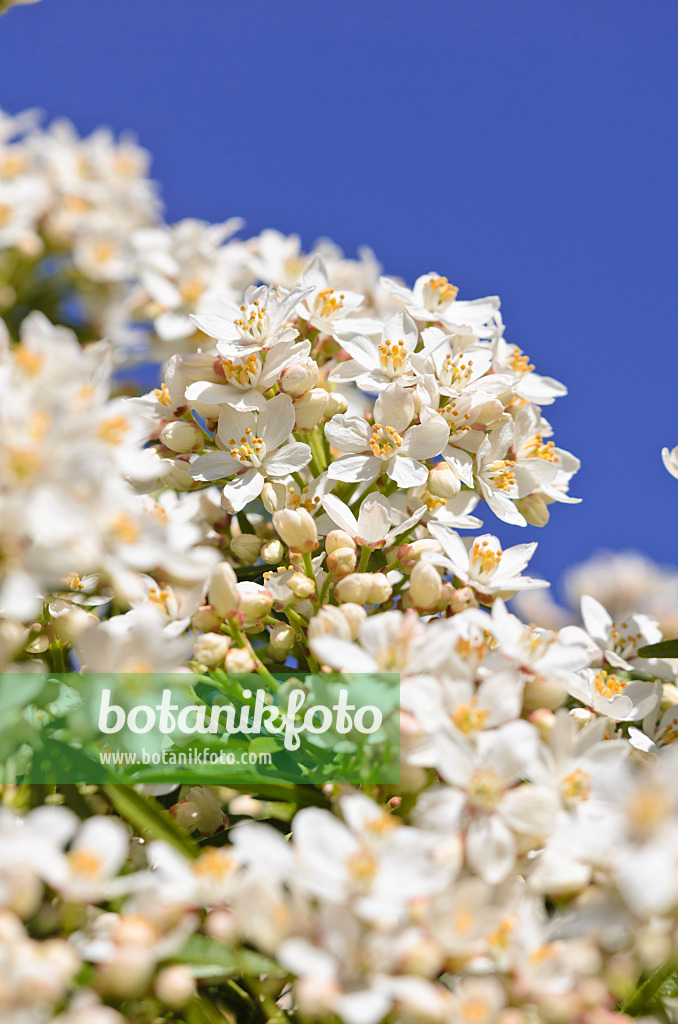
(223, 590)
(255, 602)
(272, 551)
(443, 481)
(301, 586)
(176, 474)
(175, 986)
(310, 409)
(239, 659)
(200, 810)
(246, 547)
(329, 622)
(69, 621)
(462, 599)
(354, 615)
(274, 496)
(338, 539)
(363, 588)
(534, 508)
(222, 924)
(282, 639)
(206, 619)
(544, 721)
(296, 528)
(299, 378)
(210, 649)
(182, 437)
(409, 554)
(341, 562)
(425, 586)
(336, 403)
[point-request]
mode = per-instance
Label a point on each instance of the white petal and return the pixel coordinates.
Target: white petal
(243, 489)
(355, 467)
(340, 513)
(490, 849)
(394, 408)
(407, 472)
(288, 459)
(276, 421)
(213, 466)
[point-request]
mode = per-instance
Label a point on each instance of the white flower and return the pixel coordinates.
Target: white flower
(85, 874)
(670, 459)
(433, 298)
(395, 447)
(255, 440)
(373, 528)
(327, 309)
(481, 563)
(374, 366)
(260, 321)
(610, 693)
(248, 377)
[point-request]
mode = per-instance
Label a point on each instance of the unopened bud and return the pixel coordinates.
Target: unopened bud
(425, 586)
(182, 437)
(255, 602)
(210, 649)
(223, 590)
(222, 924)
(205, 619)
(329, 622)
(544, 721)
(301, 586)
(176, 473)
(354, 614)
(310, 409)
(409, 554)
(462, 599)
(534, 508)
(299, 378)
(341, 562)
(175, 986)
(246, 547)
(443, 481)
(272, 551)
(239, 659)
(338, 539)
(336, 403)
(363, 588)
(282, 638)
(274, 496)
(297, 529)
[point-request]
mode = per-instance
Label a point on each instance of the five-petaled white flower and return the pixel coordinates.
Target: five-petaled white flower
(255, 442)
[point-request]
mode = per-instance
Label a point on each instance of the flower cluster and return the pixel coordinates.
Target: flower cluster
(302, 489)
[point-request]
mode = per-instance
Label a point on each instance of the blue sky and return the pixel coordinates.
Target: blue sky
(526, 149)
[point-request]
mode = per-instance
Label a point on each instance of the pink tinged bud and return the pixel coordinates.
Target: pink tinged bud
(299, 378)
(535, 509)
(223, 590)
(462, 599)
(210, 649)
(282, 638)
(363, 588)
(255, 602)
(239, 659)
(221, 924)
(336, 403)
(272, 552)
(175, 986)
(329, 622)
(274, 496)
(182, 437)
(409, 554)
(206, 619)
(296, 528)
(443, 481)
(341, 562)
(246, 547)
(544, 721)
(338, 539)
(425, 586)
(354, 615)
(310, 409)
(301, 586)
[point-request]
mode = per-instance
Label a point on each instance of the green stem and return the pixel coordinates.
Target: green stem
(364, 558)
(308, 565)
(643, 996)
(242, 641)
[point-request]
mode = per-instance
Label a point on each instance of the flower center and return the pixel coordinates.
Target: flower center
(439, 294)
(255, 324)
(469, 718)
(608, 685)
(501, 474)
(327, 303)
(384, 441)
(392, 357)
(483, 557)
(485, 789)
(576, 786)
(242, 375)
(520, 363)
(248, 449)
(537, 448)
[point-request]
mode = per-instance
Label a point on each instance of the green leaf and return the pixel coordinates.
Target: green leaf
(209, 956)
(664, 649)
(146, 814)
